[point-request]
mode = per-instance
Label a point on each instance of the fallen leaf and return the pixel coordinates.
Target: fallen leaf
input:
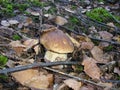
(88, 87)
(103, 44)
(13, 22)
(99, 56)
(87, 45)
(10, 63)
(49, 16)
(90, 68)
(105, 35)
(61, 87)
(18, 47)
(60, 20)
(5, 23)
(75, 42)
(107, 86)
(37, 49)
(33, 78)
(111, 24)
(30, 43)
(32, 12)
(117, 38)
(97, 53)
(117, 70)
(74, 84)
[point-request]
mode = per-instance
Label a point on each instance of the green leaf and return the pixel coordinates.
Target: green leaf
(3, 77)
(3, 60)
(16, 37)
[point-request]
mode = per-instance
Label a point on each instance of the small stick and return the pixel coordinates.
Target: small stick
(111, 42)
(40, 64)
(74, 77)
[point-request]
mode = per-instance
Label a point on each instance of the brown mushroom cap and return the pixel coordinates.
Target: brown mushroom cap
(57, 41)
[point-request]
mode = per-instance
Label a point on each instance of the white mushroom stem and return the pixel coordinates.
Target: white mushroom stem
(53, 57)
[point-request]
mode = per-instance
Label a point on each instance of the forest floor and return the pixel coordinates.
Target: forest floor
(60, 45)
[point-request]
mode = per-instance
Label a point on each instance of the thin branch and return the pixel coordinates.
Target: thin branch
(74, 77)
(111, 42)
(40, 64)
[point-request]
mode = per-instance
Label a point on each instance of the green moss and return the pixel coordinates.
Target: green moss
(100, 0)
(117, 18)
(52, 10)
(99, 14)
(3, 77)
(74, 20)
(73, 7)
(21, 7)
(79, 68)
(108, 48)
(37, 3)
(7, 8)
(3, 60)
(16, 37)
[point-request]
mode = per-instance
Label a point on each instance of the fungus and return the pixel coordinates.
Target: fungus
(57, 45)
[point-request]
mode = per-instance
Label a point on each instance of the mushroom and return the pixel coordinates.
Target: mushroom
(57, 44)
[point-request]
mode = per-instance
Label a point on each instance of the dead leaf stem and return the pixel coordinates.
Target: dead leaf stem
(74, 77)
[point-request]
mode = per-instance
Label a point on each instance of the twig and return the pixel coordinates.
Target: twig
(77, 78)
(111, 42)
(40, 64)
(109, 81)
(4, 45)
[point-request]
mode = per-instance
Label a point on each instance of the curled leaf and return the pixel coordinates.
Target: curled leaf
(75, 85)
(90, 68)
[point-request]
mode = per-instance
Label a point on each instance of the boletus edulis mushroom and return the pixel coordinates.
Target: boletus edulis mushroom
(57, 44)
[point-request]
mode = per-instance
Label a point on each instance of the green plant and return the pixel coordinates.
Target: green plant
(79, 68)
(52, 10)
(74, 20)
(7, 8)
(3, 60)
(99, 14)
(108, 48)
(16, 37)
(21, 7)
(100, 0)
(3, 77)
(37, 3)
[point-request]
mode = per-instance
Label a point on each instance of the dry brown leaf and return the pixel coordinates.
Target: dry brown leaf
(37, 49)
(61, 87)
(87, 88)
(117, 70)
(99, 56)
(105, 35)
(18, 47)
(111, 24)
(5, 23)
(87, 45)
(60, 20)
(103, 44)
(33, 78)
(30, 43)
(75, 85)
(81, 38)
(97, 53)
(117, 38)
(13, 22)
(75, 42)
(108, 86)
(90, 68)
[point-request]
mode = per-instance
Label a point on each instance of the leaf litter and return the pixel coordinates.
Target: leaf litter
(95, 48)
